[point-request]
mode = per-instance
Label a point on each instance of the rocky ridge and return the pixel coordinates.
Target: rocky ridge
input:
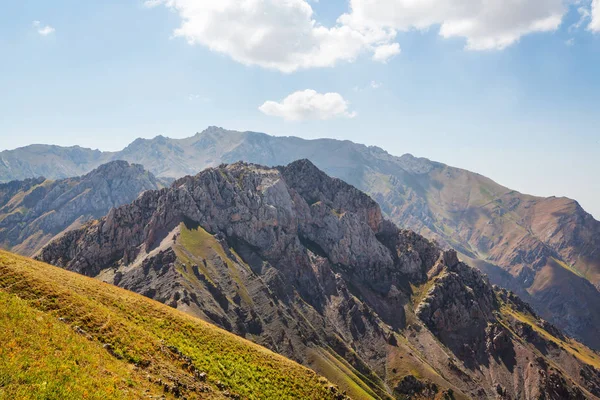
(34, 211)
(308, 266)
(545, 249)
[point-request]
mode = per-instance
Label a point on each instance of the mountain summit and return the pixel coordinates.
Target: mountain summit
(544, 249)
(307, 265)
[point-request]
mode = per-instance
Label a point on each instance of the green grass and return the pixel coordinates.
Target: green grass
(44, 357)
(573, 347)
(196, 245)
(568, 267)
(340, 371)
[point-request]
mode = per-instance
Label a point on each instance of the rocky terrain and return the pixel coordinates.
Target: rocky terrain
(34, 211)
(545, 249)
(308, 266)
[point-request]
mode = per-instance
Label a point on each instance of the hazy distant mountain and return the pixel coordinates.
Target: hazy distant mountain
(52, 162)
(545, 249)
(307, 265)
(34, 211)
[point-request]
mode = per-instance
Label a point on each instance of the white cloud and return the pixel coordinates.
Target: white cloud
(375, 85)
(276, 34)
(43, 30)
(386, 51)
(595, 15)
(284, 34)
(584, 16)
(485, 24)
(308, 105)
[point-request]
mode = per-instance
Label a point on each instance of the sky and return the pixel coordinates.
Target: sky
(509, 90)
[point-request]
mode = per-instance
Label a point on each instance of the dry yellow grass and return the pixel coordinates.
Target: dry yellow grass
(573, 347)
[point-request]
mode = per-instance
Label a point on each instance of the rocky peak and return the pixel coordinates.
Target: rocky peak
(136, 144)
(279, 215)
(36, 210)
(420, 166)
(314, 186)
(459, 308)
(546, 249)
(306, 265)
(115, 169)
(212, 130)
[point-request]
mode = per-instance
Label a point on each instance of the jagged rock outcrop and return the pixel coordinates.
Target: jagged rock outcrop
(458, 309)
(544, 249)
(307, 266)
(410, 387)
(34, 211)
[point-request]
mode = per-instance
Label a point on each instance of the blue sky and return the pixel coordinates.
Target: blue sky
(515, 97)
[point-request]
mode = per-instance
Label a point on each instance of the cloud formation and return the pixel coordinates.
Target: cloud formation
(485, 24)
(308, 105)
(276, 34)
(43, 30)
(595, 15)
(386, 51)
(284, 34)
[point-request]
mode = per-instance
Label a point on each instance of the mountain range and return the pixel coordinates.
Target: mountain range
(547, 250)
(36, 210)
(308, 266)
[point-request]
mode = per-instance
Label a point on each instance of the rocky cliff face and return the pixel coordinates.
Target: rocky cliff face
(548, 246)
(546, 249)
(34, 211)
(307, 266)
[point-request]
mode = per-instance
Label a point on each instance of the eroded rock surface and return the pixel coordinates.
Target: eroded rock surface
(34, 211)
(306, 265)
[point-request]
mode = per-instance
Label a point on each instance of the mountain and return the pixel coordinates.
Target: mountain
(307, 266)
(34, 211)
(545, 249)
(65, 336)
(53, 162)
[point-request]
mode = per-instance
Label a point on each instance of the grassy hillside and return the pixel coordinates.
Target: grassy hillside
(67, 336)
(198, 247)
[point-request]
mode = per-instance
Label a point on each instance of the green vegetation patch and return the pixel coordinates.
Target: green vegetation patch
(43, 358)
(575, 348)
(568, 267)
(197, 246)
(332, 368)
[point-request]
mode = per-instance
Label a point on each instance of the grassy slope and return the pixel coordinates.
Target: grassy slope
(43, 358)
(576, 349)
(153, 345)
(339, 371)
(569, 348)
(196, 245)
